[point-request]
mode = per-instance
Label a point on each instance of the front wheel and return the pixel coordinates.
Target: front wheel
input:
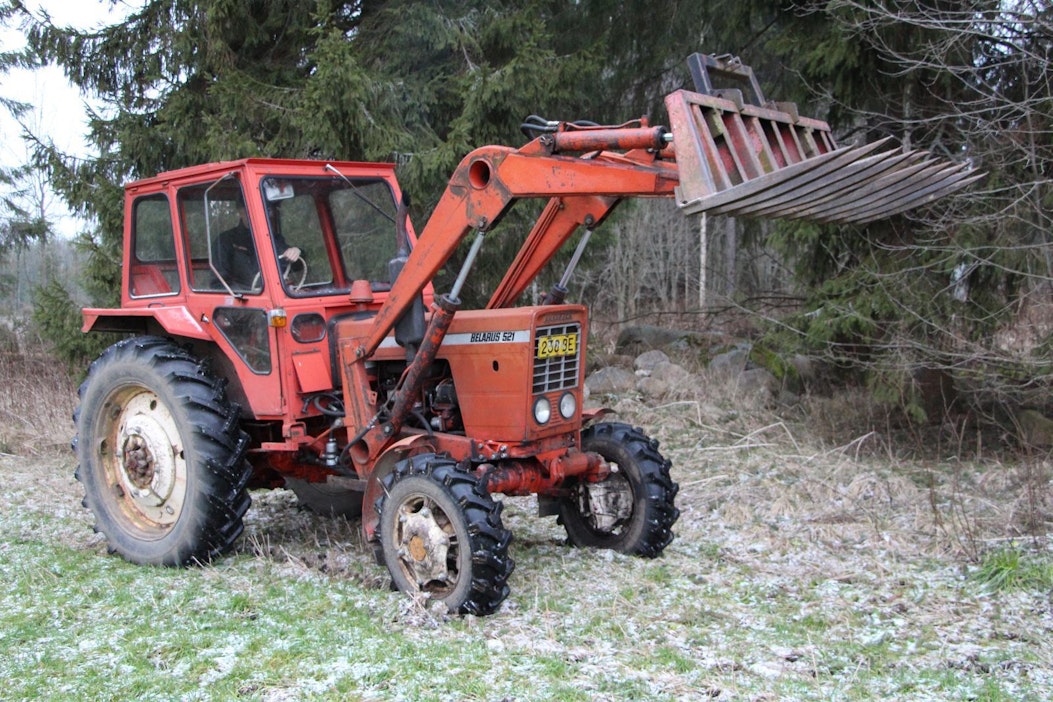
(632, 511)
(160, 454)
(441, 535)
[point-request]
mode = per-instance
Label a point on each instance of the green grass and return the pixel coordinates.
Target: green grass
(1015, 569)
(735, 609)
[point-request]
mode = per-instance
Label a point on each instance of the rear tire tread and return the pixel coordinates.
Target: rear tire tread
(219, 447)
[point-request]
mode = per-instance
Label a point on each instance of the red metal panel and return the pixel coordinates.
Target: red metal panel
(312, 371)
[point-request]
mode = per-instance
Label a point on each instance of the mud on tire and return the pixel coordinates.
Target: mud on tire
(441, 535)
(160, 454)
(633, 510)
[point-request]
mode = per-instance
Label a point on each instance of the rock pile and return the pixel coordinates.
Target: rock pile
(654, 376)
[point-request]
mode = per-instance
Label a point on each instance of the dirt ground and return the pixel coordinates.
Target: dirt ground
(801, 568)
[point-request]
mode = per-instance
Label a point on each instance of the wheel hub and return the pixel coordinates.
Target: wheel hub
(138, 462)
(609, 503)
(148, 466)
(423, 545)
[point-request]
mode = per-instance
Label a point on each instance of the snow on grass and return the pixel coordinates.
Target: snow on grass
(801, 570)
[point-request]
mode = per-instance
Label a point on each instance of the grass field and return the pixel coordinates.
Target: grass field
(801, 570)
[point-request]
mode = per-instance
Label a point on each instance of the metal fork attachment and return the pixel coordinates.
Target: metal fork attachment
(765, 160)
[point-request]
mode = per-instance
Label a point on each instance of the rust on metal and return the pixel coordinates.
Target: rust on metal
(608, 139)
(138, 462)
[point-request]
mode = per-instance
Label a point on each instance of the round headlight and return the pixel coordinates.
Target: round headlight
(567, 405)
(542, 410)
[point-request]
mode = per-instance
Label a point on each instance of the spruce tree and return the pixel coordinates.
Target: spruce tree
(420, 84)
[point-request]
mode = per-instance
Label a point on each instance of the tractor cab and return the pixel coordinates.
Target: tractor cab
(254, 259)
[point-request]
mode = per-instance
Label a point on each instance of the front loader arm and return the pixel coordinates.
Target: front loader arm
(580, 189)
(558, 221)
(490, 179)
(724, 156)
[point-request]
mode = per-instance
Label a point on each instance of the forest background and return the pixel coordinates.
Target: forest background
(826, 550)
(959, 292)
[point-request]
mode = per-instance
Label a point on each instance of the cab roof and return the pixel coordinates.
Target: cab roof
(283, 166)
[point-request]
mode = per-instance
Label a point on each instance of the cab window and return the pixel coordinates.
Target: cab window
(152, 270)
(222, 250)
(345, 230)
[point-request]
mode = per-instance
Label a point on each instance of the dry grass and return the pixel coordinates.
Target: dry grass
(838, 465)
(36, 405)
(815, 559)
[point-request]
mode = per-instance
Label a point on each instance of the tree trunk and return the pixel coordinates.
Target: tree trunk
(703, 246)
(731, 240)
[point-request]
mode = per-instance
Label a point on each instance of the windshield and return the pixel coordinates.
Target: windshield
(345, 231)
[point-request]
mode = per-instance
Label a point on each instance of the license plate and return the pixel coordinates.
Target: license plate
(557, 345)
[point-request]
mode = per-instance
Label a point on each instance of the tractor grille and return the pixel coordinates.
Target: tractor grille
(557, 372)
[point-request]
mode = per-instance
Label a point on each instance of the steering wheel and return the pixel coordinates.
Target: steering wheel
(288, 272)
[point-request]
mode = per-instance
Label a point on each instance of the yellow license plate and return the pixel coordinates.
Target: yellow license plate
(557, 345)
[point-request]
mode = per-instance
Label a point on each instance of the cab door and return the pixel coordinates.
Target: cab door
(229, 292)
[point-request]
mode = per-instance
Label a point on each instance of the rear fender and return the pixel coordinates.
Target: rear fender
(178, 323)
(175, 321)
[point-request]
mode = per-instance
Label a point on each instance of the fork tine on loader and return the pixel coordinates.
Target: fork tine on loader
(748, 160)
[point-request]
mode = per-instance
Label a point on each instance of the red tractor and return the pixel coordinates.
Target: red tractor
(283, 331)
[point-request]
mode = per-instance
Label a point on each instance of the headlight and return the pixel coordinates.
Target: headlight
(542, 410)
(568, 406)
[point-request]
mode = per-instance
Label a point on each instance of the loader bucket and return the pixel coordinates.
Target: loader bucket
(748, 160)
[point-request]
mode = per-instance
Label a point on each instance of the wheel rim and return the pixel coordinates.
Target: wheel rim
(143, 459)
(426, 543)
(606, 506)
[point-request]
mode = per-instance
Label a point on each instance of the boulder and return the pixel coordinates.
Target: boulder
(647, 361)
(644, 337)
(731, 362)
(610, 381)
(758, 381)
(665, 379)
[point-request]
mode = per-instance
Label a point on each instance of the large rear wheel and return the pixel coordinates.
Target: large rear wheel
(633, 510)
(160, 454)
(441, 535)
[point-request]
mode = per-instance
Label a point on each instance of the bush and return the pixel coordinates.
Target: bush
(58, 320)
(38, 399)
